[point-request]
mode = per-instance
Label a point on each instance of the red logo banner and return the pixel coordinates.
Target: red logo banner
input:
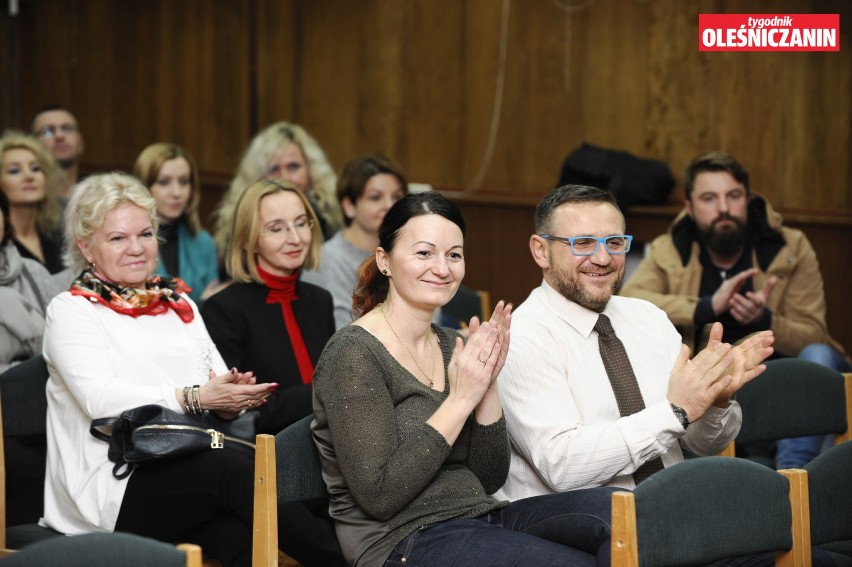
(769, 32)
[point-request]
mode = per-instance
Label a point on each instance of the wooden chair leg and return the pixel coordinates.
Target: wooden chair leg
(625, 549)
(265, 539)
(800, 554)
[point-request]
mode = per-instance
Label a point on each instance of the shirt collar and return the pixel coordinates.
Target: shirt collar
(581, 319)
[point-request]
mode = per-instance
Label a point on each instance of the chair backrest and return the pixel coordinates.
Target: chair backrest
(104, 550)
(466, 303)
(24, 400)
(830, 494)
(700, 511)
(23, 414)
(298, 464)
(793, 398)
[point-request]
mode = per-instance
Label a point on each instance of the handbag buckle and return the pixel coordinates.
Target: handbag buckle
(216, 439)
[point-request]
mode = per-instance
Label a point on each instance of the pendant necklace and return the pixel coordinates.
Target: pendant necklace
(408, 350)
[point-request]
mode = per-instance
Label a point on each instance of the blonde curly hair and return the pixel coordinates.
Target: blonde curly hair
(253, 167)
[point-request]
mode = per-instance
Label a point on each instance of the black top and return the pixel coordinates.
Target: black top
(251, 335)
(51, 246)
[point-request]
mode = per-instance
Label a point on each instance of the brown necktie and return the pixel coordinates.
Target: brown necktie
(624, 384)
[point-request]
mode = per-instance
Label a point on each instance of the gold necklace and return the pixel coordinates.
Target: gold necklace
(408, 350)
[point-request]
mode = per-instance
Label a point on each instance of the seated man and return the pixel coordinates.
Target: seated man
(727, 258)
(57, 129)
(598, 390)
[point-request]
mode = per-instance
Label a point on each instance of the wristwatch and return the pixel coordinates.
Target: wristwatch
(680, 414)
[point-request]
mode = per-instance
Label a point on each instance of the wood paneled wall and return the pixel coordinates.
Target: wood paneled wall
(476, 95)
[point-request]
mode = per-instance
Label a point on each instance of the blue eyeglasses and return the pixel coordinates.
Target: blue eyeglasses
(616, 244)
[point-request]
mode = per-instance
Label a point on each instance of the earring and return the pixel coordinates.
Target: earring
(385, 272)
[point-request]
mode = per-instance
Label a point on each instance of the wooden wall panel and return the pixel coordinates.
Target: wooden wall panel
(432, 116)
(278, 39)
(329, 75)
(224, 67)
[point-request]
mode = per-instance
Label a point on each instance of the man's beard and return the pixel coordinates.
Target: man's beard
(726, 242)
(572, 289)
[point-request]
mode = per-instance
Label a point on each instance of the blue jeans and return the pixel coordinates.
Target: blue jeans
(566, 529)
(797, 452)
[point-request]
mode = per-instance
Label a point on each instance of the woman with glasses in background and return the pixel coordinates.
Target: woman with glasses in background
(268, 321)
(186, 250)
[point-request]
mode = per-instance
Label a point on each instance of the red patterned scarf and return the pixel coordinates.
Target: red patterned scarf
(158, 296)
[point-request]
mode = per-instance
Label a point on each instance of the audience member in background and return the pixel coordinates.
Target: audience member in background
(287, 152)
(28, 177)
(186, 249)
(565, 390)
(276, 325)
(120, 338)
(57, 129)
(728, 258)
(367, 187)
(26, 287)
(268, 320)
(409, 426)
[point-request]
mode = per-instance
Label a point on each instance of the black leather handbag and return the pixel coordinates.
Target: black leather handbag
(155, 433)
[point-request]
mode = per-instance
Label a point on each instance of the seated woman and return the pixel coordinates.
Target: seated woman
(28, 177)
(283, 151)
(268, 320)
(186, 250)
(409, 425)
(120, 338)
(367, 187)
(26, 287)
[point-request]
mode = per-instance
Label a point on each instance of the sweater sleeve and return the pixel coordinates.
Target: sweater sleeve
(384, 470)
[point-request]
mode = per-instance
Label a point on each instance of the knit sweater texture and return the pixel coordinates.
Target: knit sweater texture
(387, 471)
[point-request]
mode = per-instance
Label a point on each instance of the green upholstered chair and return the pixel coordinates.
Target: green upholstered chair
(704, 510)
(104, 550)
(794, 398)
(24, 448)
(830, 502)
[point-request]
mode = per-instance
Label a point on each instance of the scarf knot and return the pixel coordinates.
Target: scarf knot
(159, 295)
(282, 289)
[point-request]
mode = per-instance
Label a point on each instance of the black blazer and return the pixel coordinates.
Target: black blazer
(251, 335)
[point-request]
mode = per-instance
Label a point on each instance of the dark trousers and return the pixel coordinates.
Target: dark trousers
(208, 499)
(566, 529)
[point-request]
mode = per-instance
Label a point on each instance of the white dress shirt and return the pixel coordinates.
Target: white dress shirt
(102, 363)
(561, 413)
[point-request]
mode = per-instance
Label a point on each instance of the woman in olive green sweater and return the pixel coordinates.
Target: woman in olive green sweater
(409, 424)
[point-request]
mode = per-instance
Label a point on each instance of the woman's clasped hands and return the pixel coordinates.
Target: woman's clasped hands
(475, 366)
(230, 393)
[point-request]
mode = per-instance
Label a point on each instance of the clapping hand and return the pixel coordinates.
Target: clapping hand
(234, 391)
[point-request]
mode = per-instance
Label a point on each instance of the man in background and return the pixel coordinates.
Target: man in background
(728, 258)
(57, 129)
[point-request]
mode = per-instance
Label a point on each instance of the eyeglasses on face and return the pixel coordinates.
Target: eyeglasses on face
(587, 245)
(301, 225)
(50, 131)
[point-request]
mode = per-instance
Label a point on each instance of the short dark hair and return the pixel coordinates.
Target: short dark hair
(48, 108)
(372, 287)
(713, 161)
(569, 194)
(359, 170)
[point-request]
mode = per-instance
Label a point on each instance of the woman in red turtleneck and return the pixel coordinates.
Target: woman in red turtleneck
(268, 321)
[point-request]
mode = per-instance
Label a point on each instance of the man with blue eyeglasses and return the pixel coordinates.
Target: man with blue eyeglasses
(728, 258)
(597, 389)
